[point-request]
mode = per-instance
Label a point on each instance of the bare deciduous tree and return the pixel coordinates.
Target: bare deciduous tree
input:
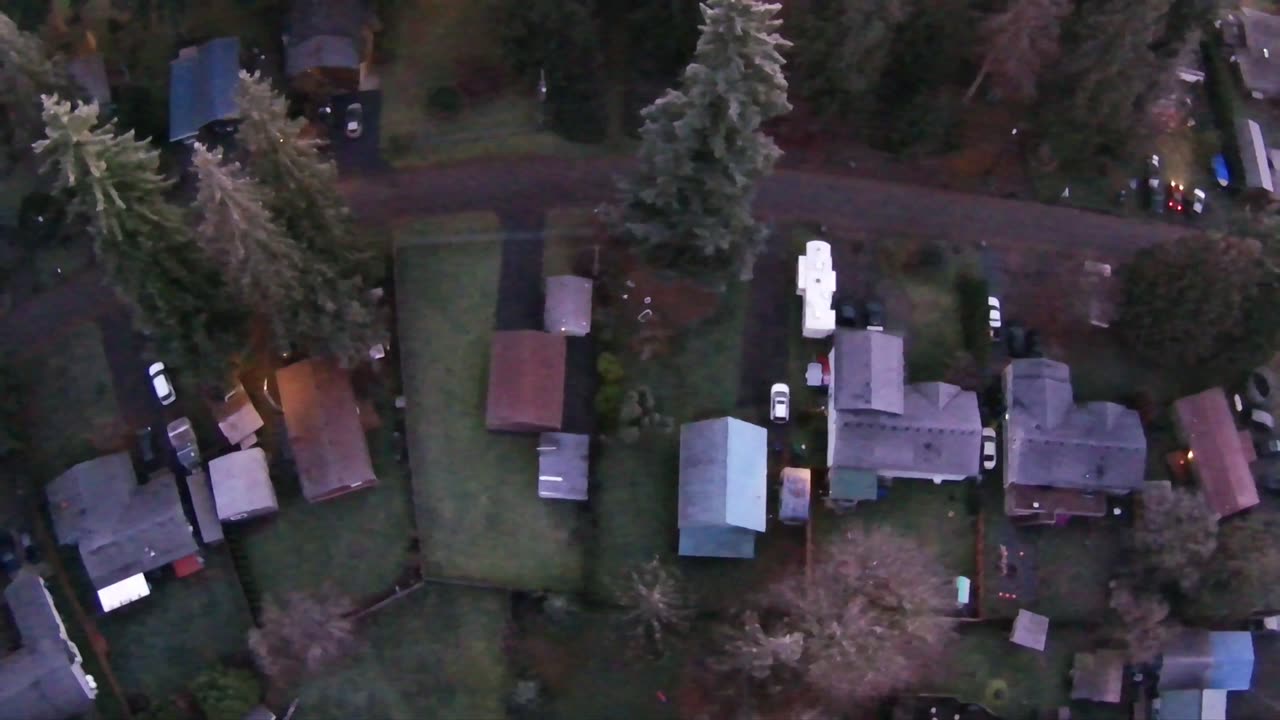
(1174, 536)
(656, 602)
(1019, 42)
(871, 622)
(302, 635)
(1141, 621)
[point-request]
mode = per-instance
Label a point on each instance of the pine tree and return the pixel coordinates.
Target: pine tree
(702, 149)
(332, 312)
(142, 239)
(842, 50)
(1019, 42)
(27, 71)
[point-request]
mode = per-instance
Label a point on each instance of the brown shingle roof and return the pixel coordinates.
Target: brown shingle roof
(329, 445)
(1218, 454)
(526, 381)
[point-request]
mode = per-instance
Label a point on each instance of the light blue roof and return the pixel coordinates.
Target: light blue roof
(1180, 705)
(723, 467)
(724, 542)
(202, 87)
(1232, 667)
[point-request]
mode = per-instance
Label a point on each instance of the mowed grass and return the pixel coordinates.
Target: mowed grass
(568, 231)
(475, 492)
(70, 402)
(634, 500)
(436, 653)
(158, 644)
(933, 333)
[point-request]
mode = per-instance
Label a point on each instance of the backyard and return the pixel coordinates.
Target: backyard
(474, 492)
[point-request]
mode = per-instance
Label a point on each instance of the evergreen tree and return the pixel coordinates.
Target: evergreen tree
(843, 49)
(1018, 43)
(27, 71)
(142, 240)
(332, 312)
(702, 149)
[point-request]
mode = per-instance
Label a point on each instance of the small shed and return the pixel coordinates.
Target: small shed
(325, 431)
(816, 283)
(1098, 676)
(850, 485)
(207, 521)
(242, 485)
(568, 305)
(562, 466)
(236, 415)
(1030, 630)
(1193, 705)
(793, 501)
(724, 468)
(526, 381)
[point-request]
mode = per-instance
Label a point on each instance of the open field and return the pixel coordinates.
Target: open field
(478, 511)
(436, 653)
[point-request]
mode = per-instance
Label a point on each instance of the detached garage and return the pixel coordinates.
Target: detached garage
(242, 485)
(526, 381)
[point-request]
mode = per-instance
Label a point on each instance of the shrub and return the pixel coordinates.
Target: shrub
(971, 303)
(445, 100)
(225, 693)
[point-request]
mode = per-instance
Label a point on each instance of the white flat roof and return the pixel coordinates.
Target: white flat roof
(124, 592)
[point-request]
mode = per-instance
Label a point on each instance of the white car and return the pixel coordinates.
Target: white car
(988, 449)
(779, 403)
(1197, 201)
(161, 384)
(995, 319)
(355, 120)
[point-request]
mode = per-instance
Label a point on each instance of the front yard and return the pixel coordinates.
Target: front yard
(475, 496)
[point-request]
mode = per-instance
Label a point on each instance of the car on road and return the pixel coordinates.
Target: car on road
(779, 403)
(873, 314)
(988, 448)
(161, 384)
(354, 122)
(995, 320)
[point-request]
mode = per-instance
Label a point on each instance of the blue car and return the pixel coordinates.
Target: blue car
(1220, 171)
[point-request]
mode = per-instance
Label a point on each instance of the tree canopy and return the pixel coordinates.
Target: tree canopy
(703, 150)
(27, 71)
(1202, 303)
(1243, 576)
(871, 622)
(842, 49)
(1017, 44)
(1174, 536)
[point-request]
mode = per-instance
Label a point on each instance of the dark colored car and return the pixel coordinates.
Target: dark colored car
(1016, 340)
(1034, 348)
(847, 314)
(873, 314)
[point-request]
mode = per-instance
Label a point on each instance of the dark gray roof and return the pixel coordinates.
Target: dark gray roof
(321, 51)
(324, 34)
(937, 434)
(867, 371)
(43, 680)
(568, 305)
(1259, 60)
(88, 497)
(562, 466)
(1050, 441)
(151, 531)
(202, 86)
(242, 485)
(206, 511)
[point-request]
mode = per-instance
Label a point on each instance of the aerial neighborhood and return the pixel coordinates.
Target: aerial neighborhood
(699, 359)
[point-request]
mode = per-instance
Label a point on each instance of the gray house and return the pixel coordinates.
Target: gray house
(242, 485)
(202, 86)
(879, 425)
(44, 679)
(562, 466)
(122, 529)
(723, 468)
(1062, 459)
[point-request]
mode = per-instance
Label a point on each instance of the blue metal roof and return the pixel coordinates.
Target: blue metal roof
(723, 468)
(725, 542)
(1232, 667)
(202, 87)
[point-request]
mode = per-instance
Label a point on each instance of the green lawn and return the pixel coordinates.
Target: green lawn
(354, 545)
(475, 494)
(567, 231)
(70, 402)
(436, 653)
(933, 333)
(161, 642)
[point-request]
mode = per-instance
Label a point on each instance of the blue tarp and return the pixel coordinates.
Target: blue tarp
(1220, 170)
(202, 87)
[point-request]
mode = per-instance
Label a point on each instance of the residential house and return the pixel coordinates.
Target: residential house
(723, 467)
(1196, 659)
(1063, 459)
(328, 45)
(1258, 56)
(44, 679)
(562, 466)
(323, 423)
(879, 425)
(567, 310)
(242, 486)
(816, 283)
(122, 529)
(206, 509)
(1098, 676)
(202, 87)
(1218, 453)
(526, 381)
(1030, 630)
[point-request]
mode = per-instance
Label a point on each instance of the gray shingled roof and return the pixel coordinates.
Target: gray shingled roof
(1050, 441)
(206, 510)
(938, 434)
(562, 466)
(88, 497)
(151, 532)
(242, 485)
(43, 680)
(867, 371)
(568, 305)
(1260, 70)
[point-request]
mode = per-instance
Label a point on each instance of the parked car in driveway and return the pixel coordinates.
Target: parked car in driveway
(873, 314)
(988, 449)
(847, 314)
(779, 403)
(183, 439)
(161, 384)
